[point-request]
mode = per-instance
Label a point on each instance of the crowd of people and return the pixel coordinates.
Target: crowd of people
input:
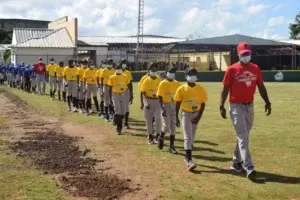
(161, 99)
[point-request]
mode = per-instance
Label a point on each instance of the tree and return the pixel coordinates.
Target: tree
(295, 28)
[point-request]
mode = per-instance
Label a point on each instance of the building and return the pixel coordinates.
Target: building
(59, 41)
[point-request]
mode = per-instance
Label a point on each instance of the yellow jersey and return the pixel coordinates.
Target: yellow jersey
(143, 78)
(79, 73)
(167, 90)
(51, 69)
(190, 97)
(128, 74)
(150, 86)
(59, 71)
(106, 74)
(90, 76)
(70, 73)
(118, 83)
(98, 73)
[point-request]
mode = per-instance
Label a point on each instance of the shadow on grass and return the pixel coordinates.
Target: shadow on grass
(199, 141)
(261, 177)
(209, 158)
(203, 149)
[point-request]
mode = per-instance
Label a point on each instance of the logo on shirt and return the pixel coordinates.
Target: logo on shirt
(246, 77)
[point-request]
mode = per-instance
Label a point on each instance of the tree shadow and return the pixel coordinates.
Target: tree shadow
(203, 149)
(210, 158)
(261, 177)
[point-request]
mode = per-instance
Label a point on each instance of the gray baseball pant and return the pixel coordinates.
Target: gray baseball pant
(60, 84)
(242, 117)
(169, 121)
(52, 83)
(106, 96)
(33, 83)
(119, 102)
(81, 95)
(91, 89)
(189, 129)
(40, 79)
(153, 112)
(72, 88)
(127, 96)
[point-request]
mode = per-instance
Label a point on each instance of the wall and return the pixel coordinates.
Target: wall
(30, 55)
(288, 76)
(70, 24)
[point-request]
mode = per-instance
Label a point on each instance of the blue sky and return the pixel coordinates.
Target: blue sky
(181, 18)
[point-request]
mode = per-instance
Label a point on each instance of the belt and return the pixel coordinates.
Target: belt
(247, 103)
(152, 98)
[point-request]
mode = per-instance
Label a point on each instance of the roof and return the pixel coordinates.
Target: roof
(296, 42)
(36, 37)
(235, 40)
(96, 40)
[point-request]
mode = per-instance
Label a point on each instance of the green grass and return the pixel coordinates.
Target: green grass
(19, 180)
(274, 145)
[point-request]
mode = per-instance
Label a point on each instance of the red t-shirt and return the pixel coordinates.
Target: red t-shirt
(40, 68)
(242, 81)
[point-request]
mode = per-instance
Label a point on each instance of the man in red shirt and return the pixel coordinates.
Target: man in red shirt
(241, 80)
(40, 70)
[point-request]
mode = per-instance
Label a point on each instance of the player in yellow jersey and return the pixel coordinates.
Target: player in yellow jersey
(59, 71)
(129, 94)
(119, 84)
(141, 94)
(105, 74)
(70, 79)
(81, 85)
(152, 110)
(166, 91)
(90, 81)
(190, 99)
(99, 90)
(52, 79)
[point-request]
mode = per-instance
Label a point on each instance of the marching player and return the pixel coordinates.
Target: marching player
(166, 91)
(52, 79)
(70, 80)
(2, 73)
(152, 110)
(98, 73)
(129, 94)
(105, 74)
(59, 74)
(33, 80)
(40, 69)
(190, 98)
(81, 85)
(27, 83)
(118, 86)
(90, 83)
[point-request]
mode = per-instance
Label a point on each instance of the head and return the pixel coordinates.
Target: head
(244, 52)
(71, 63)
(124, 64)
(85, 63)
(191, 75)
(110, 64)
(52, 60)
(91, 64)
(61, 63)
(152, 70)
(40, 60)
(171, 73)
(119, 69)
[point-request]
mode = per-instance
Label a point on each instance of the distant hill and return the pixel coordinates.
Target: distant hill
(7, 26)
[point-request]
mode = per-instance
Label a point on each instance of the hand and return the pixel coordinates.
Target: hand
(196, 120)
(177, 123)
(148, 107)
(223, 112)
(268, 109)
(164, 114)
(131, 100)
(66, 85)
(142, 106)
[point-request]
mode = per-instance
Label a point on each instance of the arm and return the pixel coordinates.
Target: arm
(224, 95)
(178, 103)
(200, 113)
(110, 92)
(145, 99)
(264, 94)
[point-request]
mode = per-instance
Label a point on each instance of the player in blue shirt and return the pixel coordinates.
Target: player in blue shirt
(2, 74)
(33, 80)
(27, 76)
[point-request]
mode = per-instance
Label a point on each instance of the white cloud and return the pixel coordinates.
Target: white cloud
(256, 9)
(278, 7)
(277, 21)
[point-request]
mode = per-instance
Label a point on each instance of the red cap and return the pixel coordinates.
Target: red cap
(244, 47)
(40, 58)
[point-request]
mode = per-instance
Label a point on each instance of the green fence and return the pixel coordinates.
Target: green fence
(269, 76)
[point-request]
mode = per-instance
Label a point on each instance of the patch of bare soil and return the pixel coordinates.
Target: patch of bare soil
(58, 154)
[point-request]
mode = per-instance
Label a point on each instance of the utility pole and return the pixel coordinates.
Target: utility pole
(140, 32)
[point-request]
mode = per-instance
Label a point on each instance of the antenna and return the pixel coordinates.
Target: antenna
(140, 31)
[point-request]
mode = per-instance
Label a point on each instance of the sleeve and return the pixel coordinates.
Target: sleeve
(259, 77)
(227, 77)
(178, 95)
(144, 86)
(203, 95)
(101, 74)
(65, 72)
(160, 90)
(110, 82)
(130, 76)
(47, 68)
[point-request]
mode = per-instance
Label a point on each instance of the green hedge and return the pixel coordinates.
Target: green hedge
(269, 76)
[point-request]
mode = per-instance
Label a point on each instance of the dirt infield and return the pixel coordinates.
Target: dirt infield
(43, 141)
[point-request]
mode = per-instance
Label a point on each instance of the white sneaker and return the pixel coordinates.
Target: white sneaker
(74, 110)
(191, 165)
(69, 109)
(80, 111)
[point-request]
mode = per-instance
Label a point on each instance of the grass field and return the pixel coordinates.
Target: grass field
(274, 144)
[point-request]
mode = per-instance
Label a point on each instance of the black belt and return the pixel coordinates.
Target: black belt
(247, 103)
(152, 98)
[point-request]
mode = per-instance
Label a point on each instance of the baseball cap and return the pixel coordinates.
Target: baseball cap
(40, 58)
(190, 70)
(244, 47)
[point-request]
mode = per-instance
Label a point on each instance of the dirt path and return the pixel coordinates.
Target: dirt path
(58, 148)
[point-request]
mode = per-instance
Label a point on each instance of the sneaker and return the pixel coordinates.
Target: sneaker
(237, 167)
(160, 143)
(103, 116)
(150, 141)
(118, 132)
(107, 120)
(90, 111)
(69, 109)
(251, 173)
(87, 114)
(172, 150)
(127, 126)
(191, 165)
(80, 111)
(74, 110)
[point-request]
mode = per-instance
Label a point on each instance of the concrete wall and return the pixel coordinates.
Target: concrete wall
(30, 55)
(70, 24)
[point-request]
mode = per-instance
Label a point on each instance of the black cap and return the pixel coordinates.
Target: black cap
(51, 59)
(70, 61)
(152, 65)
(172, 69)
(190, 70)
(61, 63)
(118, 66)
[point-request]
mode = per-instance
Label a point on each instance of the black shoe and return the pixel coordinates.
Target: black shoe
(160, 143)
(251, 173)
(237, 167)
(172, 150)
